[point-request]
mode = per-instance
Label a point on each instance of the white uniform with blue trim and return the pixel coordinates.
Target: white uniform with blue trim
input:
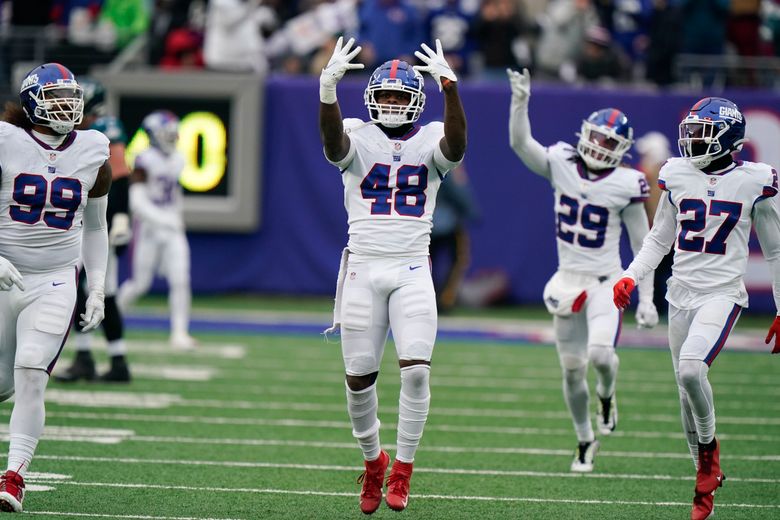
(707, 219)
(390, 188)
(43, 193)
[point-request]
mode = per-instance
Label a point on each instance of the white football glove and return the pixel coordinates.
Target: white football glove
(646, 315)
(94, 312)
(521, 85)
(435, 64)
(120, 233)
(339, 64)
(9, 276)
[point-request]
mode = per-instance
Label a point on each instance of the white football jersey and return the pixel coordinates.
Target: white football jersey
(390, 188)
(714, 217)
(588, 222)
(43, 192)
(162, 179)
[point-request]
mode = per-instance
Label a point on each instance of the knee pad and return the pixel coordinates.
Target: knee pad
(601, 355)
(30, 355)
(6, 390)
(415, 381)
(690, 373)
(572, 362)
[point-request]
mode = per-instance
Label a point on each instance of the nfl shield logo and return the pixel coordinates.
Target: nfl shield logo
(52, 156)
(397, 147)
(713, 181)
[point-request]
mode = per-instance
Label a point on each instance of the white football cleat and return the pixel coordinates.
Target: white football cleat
(607, 416)
(583, 457)
(183, 342)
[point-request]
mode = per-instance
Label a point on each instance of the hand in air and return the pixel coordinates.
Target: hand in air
(339, 63)
(622, 292)
(646, 315)
(94, 312)
(435, 64)
(520, 84)
(774, 332)
(9, 276)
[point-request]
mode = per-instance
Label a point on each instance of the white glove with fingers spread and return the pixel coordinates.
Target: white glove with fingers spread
(9, 276)
(435, 64)
(646, 315)
(338, 65)
(521, 85)
(94, 312)
(120, 233)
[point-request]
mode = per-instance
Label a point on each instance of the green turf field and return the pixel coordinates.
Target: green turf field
(254, 426)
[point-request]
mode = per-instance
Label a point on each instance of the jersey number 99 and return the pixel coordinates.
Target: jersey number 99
(30, 193)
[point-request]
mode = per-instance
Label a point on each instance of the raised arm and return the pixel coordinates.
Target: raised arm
(453, 144)
(533, 154)
(334, 140)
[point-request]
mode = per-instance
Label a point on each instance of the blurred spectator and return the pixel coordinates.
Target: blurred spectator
(450, 23)
(743, 26)
(450, 244)
(170, 15)
(498, 30)
(233, 39)
(183, 49)
(600, 59)
(563, 26)
(662, 48)
(121, 21)
(626, 21)
(38, 13)
(705, 25)
(389, 29)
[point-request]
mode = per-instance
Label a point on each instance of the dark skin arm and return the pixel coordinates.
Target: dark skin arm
(138, 175)
(334, 140)
(102, 183)
(453, 144)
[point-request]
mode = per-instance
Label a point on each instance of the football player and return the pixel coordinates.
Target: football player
(161, 244)
(710, 202)
(119, 235)
(594, 195)
(53, 198)
(391, 169)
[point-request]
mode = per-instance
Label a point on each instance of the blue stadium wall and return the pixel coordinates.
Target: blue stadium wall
(297, 248)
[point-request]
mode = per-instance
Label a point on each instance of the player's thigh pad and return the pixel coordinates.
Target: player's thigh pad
(8, 316)
(43, 324)
(364, 321)
(571, 340)
(709, 330)
(604, 319)
(413, 316)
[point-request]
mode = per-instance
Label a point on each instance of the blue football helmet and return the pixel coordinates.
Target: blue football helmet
(162, 128)
(50, 96)
(399, 76)
(714, 127)
(605, 137)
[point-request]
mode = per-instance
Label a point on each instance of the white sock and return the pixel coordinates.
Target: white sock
(413, 405)
(180, 300)
(689, 427)
(362, 408)
(83, 341)
(605, 362)
(693, 377)
(577, 396)
(27, 417)
(117, 348)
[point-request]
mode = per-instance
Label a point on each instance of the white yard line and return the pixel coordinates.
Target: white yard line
(357, 469)
(414, 496)
(129, 517)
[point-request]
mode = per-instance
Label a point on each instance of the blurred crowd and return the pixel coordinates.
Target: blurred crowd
(574, 41)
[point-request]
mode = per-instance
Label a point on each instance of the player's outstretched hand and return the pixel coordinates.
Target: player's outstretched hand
(622, 292)
(646, 315)
(435, 64)
(521, 85)
(9, 276)
(94, 312)
(774, 331)
(337, 66)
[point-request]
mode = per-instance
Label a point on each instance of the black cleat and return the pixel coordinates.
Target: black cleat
(83, 367)
(118, 373)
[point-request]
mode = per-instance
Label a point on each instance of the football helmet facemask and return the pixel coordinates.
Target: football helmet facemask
(714, 127)
(51, 96)
(162, 128)
(605, 137)
(399, 76)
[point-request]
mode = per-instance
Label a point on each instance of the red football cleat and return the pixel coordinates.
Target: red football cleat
(398, 485)
(708, 478)
(11, 492)
(372, 480)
